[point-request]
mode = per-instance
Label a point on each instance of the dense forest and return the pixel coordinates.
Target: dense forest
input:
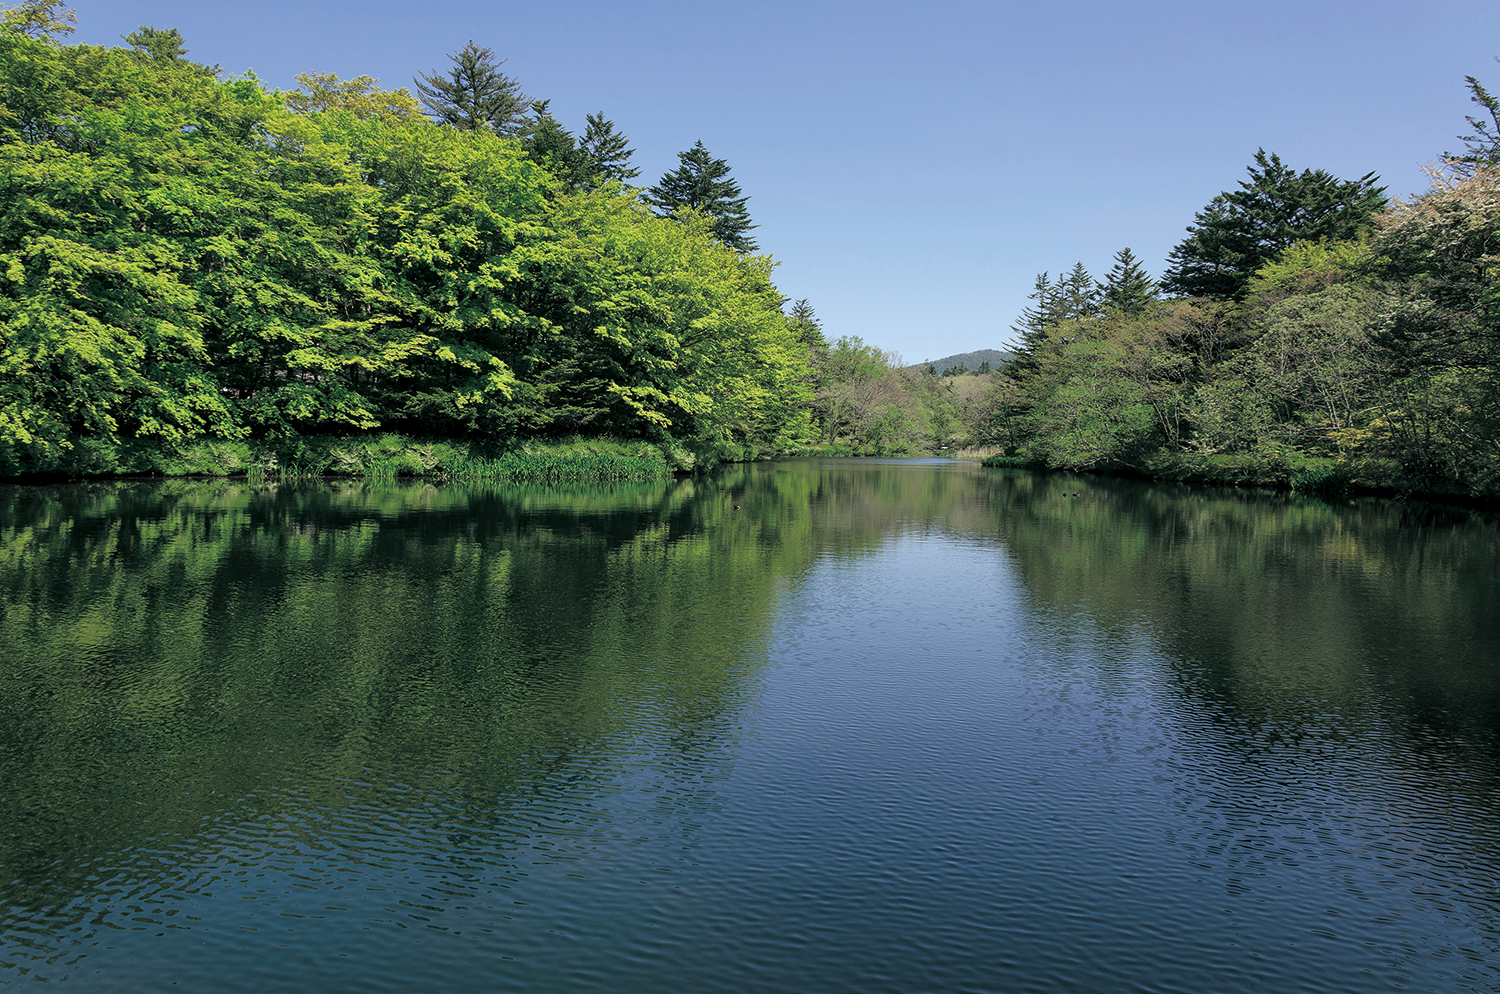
(187, 256)
(191, 257)
(1308, 328)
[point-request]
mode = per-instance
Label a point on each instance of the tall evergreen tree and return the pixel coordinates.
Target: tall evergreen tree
(1241, 230)
(804, 321)
(1033, 323)
(702, 184)
(606, 153)
(1482, 145)
(1079, 296)
(1127, 288)
(474, 94)
(551, 146)
(156, 43)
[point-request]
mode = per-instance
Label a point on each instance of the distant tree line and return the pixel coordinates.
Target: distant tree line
(1304, 321)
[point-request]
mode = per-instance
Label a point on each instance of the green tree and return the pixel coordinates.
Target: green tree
(156, 43)
(39, 19)
(804, 321)
(1241, 230)
(551, 146)
(323, 91)
(605, 152)
(1128, 289)
(701, 184)
(1482, 144)
(474, 94)
(1079, 296)
(1442, 337)
(1031, 327)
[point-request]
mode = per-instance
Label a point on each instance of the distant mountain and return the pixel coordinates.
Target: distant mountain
(970, 360)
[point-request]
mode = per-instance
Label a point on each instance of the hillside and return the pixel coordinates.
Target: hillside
(970, 360)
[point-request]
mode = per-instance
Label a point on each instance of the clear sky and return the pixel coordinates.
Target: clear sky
(913, 167)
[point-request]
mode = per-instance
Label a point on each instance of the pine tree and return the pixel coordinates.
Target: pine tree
(701, 184)
(474, 94)
(606, 154)
(809, 330)
(1241, 230)
(1033, 324)
(1127, 288)
(1079, 297)
(551, 146)
(1482, 146)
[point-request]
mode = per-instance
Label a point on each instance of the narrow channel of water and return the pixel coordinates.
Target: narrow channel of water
(806, 726)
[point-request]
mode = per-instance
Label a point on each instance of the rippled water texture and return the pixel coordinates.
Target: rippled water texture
(885, 727)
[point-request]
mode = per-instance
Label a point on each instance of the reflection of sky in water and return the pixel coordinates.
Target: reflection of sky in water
(945, 759)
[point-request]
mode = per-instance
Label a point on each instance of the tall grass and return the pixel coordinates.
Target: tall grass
(557, 466)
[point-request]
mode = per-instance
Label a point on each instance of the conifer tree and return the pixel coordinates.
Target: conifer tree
(1034, 321)
(551, 146)
(1127, 288)
(605, 153)
(702, 184)
(1079, 296)
(1482, 145)
(474, 94)
(1241, 230)
(809, 330)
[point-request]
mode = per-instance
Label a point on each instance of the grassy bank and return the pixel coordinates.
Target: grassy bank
(384, 456)
(1271, 470)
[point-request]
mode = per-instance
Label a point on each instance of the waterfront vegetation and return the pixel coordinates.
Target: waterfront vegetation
(202, 275)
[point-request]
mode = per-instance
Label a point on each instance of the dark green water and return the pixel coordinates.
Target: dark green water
(887, 727)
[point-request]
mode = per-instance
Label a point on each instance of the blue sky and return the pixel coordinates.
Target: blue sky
(913, 169)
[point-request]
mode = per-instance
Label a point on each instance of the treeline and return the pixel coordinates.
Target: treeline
(1308, 330)
(187, 256)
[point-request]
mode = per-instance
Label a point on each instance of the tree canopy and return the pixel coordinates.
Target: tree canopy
(474, 94)
(701, 185)
(188, 257)
(1241, 230)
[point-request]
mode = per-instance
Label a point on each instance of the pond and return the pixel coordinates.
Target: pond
(814, 725)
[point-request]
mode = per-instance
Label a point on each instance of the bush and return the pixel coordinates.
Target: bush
(1325, 481)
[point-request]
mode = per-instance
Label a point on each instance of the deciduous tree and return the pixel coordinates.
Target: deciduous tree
(324, 91)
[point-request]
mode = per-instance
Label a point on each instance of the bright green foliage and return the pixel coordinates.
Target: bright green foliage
(474, 94)
(1241, 230)
(185, 257)
(39, 19)
(156, 43)
(1306, 267)
(1089, 415)
(1308, 381)
(1442, 341)
(701, 186)
(319, 92)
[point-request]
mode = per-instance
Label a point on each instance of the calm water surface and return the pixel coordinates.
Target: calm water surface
(889, 726)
